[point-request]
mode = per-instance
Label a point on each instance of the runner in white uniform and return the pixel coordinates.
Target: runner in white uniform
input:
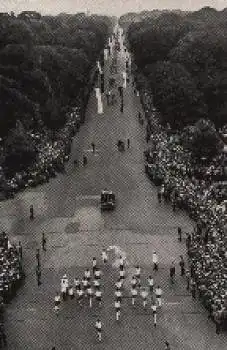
(154, 311)
(144, 295)
(134, 294)
(90, 294)
(98, 327)
(117, 305)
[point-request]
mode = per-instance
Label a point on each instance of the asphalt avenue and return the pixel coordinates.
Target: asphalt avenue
(67, 209)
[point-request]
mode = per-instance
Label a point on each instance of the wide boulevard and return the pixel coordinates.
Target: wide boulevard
(67, 209)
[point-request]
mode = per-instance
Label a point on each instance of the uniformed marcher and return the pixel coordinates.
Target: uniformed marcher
(144, 295)
(76, 283)
(119, 284)
(121, 262)
(98, 327)
(64, 286)
(80, 294)
(71, 292)
(158, 295)
(85, 284)
(134, 294)
(104, 257)
(96, 284)
(98, 296)
(154, 312)
(122, 274)
(117, 305)
(150, 281)
(97, 274)
(133, 282)
(155, 261)
(57, 301)
(118, 295)
(87, 275)
(90, 294)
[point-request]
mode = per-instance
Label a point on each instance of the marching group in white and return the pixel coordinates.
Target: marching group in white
(89, 290)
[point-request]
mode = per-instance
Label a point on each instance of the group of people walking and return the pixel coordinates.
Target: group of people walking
(88, 289)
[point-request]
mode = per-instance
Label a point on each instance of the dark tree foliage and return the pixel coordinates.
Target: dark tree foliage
(13, 105)
(20, 152)
(175, 93)
(203, 140)
(194, 42)
(48, 61)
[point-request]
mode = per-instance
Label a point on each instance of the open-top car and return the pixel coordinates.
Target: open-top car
(107, 200)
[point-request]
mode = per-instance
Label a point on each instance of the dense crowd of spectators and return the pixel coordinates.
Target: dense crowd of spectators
(11, 269)
(52, 154)
(180, 183)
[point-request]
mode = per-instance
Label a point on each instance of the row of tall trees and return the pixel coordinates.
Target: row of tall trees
(45, 65)
(184, 59)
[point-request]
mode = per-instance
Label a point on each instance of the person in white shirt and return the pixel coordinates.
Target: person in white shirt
(134, 294)
(158, 294)
(117, 305)
(104, 257)
(133, 282)
(121, 262)
(87, 275)
(97, 273)
(137, 274)
(98, 296)
(90, 294)
(98, 327)
(122, 275)
(119, 284)
(76, 283)
(80, 295)
(94, 265)
(144, 295)
(71, 292)
(64, 286)
(96, 284)
(154, 311)
(118, 295)
(57, 301)
(84, 284)
(155, 261)
(150, 281)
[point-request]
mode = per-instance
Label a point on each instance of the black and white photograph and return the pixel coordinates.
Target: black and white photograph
(113, 174)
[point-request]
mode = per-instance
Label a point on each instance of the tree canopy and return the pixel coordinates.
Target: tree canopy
(187, 56)
(46, 63)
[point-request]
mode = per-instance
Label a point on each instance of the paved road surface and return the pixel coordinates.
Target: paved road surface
(67, 210)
